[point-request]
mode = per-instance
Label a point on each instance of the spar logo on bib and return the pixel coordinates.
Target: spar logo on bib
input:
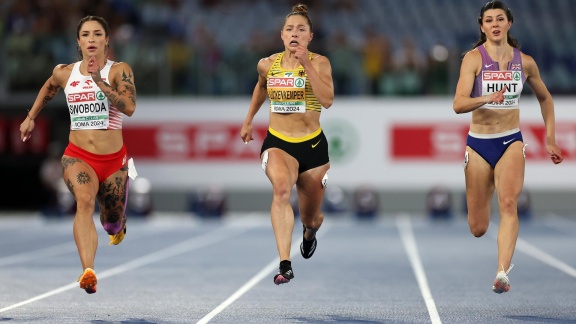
(81, 97)
(501, 75)
(497, 75)
(100, 95)
(286, 82)
(281, 82)
(300, 83)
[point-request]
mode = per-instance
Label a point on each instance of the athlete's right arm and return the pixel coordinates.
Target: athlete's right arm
(258, 98)
(48, 91)
(463, 103)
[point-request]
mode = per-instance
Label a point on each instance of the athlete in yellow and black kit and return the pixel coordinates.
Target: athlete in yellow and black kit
(290, 92)
(295, 150)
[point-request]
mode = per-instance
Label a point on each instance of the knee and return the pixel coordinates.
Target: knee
(318, 220)
(84, 201)
(478, 229)
(508, 205)
(314, 222)
(282, 191)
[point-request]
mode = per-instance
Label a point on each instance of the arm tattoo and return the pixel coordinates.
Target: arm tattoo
(115, 96)
(52, 92)
(118, 102)
(130, 91)
(121, 105)
(127, 78)
(112, 96)
(46, 100)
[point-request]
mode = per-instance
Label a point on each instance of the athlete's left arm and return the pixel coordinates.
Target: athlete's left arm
(121, 91)
(546, 105)
(319, 72)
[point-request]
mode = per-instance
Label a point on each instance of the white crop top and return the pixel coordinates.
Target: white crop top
(88, 106)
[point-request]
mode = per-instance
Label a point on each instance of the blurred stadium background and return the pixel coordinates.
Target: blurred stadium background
(395, 64)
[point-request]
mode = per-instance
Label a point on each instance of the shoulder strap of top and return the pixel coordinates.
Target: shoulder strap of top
(486, 59)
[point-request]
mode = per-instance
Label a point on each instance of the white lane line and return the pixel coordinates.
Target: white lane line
(50, 251)
(546, 258)
(564, 225)
(40, 297)
(212, 237)
(270, 267)
(58, 249)
(407, 236)
(536, 253)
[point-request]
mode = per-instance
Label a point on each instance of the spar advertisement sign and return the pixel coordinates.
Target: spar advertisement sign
(193, 142)
(386, 143)
(431, 142)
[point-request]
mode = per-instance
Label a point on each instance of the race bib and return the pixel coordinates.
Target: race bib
(90, 122)
(493, 81)
(88, 110)
(287, 94)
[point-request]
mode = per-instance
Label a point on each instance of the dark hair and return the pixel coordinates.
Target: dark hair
(496, 5)
(302, 10)
(98, 19)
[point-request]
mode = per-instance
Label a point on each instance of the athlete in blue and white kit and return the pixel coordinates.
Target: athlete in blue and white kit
(95, 164)
(492, 76)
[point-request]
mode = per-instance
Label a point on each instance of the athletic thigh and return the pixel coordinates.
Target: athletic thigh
(112, 194)
(281, 169)
(81, 179)
(479, 186)
(311, 190)
(509, 172)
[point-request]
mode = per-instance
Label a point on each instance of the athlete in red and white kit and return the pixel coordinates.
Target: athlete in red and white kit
(95, 164)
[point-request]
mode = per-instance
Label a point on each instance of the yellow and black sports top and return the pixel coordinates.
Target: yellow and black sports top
(289, 90)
